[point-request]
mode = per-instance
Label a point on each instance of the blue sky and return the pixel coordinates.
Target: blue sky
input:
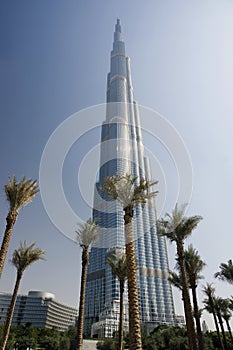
(54, 61)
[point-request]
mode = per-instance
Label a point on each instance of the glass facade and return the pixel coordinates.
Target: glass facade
(122, 152)
(40, 309)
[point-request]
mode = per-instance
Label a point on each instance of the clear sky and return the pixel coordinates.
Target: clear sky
(54, 61)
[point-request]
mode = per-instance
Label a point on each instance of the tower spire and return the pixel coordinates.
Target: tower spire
(117, 33)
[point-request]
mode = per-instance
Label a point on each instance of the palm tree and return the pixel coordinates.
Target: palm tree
(119, 270)
(209, 303)
(176, 227)
(218, 307)
(86, 234)
(124, 188)
(230, 306)
(226, 272)
(225, 306)
(194, 265)
(18, 195)
(22, 258)
(175, 279)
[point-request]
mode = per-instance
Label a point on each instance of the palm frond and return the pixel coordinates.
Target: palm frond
(187, 225)
(175, 279)
(224, 306)
(164, 229)
(26, 255)
(87, 233)
(209, 290)
(126, 191)
(177, 214)
(109, 187)
(175, 226)
(118, 265)
(193, 264)
(20, 193)
(226, 272)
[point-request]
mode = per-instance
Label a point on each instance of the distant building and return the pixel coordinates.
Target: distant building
(205, 327)
(179, 320)
(40, 309)
(150, 326)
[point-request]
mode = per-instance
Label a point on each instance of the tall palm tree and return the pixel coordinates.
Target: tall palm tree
(18, 195)
(87, 233)
(130, 191)
(209, 303)
(226, 272)
(176, 227)
(225, 307)
(119, 270)
(218, 307)
(194, 265)
(230, 306)
(22, 258)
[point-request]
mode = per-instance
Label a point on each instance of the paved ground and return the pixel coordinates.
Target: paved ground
(89, 344)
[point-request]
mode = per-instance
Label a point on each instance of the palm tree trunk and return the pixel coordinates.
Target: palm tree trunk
(134, 318)
(121, 321)
(222, 329)
(192, 342)
(82, 299)
(229, 329)
(10, 221)
(197, 319)
(11, 312)
(216, 322)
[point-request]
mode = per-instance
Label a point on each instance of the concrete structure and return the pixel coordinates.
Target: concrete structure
(122, 152)
(109, 321)
(40, 309)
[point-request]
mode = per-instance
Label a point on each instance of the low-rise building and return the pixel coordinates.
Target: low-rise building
(109, 321)
(40, 309)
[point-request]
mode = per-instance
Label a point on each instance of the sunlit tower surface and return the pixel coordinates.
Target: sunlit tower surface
(122, 152)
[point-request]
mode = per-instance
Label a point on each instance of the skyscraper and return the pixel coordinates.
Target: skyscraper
(122, 152)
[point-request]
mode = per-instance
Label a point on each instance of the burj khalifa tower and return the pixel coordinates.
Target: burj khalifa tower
(122, 152)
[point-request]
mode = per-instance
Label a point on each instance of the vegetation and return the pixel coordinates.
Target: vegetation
(176, 227)
(119, 270)
(163, 338)
(226, 272)
(225, 307)
(210, 307)
(22, 258)
(18, 195)
(108, 344)
(86, 235)
(23, 337)
(193, 265)
(129, 192)
(218, 304)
